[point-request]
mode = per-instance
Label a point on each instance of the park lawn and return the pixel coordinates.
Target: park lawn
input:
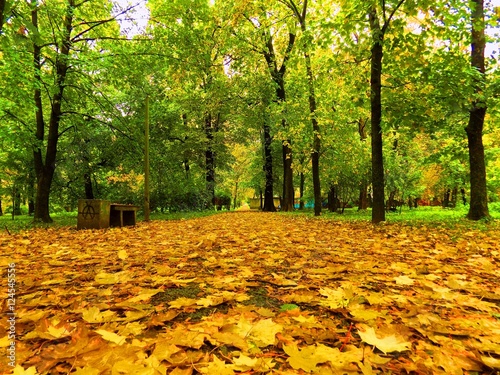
(251, 292)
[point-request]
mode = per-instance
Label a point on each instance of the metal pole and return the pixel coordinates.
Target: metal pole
(146, 162)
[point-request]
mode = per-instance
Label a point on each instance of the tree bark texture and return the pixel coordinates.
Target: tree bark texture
(363, 188)
(378, 209)
(87, 182)
(268, 171)
(301, 190)
(316, 138)
(45, 168)
(2, 11)
(478, 192)
(278, 77)
(301, 16)
(210, 161)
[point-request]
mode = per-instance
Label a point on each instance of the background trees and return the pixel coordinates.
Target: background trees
(223, 77)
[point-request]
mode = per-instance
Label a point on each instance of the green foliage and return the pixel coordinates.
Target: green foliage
(198, 61)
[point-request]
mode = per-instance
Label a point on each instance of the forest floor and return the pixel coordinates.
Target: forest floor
(252, 293)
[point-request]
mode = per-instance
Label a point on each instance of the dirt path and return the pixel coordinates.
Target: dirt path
(251, 293)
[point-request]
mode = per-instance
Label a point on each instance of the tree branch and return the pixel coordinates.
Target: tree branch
(388, 21)
(93, 24)
(65, 130)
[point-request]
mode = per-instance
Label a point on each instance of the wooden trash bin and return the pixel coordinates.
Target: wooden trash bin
(122, 215)
(93, 214)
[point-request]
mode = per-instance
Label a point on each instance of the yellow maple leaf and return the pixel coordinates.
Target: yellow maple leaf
(230, 338)
(5, 341)
(210, 301)
(386, 344)
(122, 254)
(112, 278)
(127, 367)
(182, 337)
(86, 371)
(360, 312)
(134, 328)
(165, 349)
(19, 370)
(111, 336)
(336, 298)
(305, 358)
(182, 371)
(144, 295)
(217, 367)
(491, 362)
(264, 332)
(183, 302)
(244, 363)
(94, 315)
(404, 280)
(58, 332)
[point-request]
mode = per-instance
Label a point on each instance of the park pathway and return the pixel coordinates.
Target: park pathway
(254, 293)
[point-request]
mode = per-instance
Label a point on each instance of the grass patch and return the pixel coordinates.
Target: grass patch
(436, 217)
(184, 215)
(259, 297)
(171, 294)
(69, 219)
(25, 222)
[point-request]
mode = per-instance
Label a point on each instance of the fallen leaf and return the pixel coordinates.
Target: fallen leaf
(111, 336)
(387, 344)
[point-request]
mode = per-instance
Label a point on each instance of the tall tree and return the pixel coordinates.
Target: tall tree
(59, 54)
(268, 164)
(2, 11)
(378, 31)
(301, 17)
(257, 31)
(479, 197)
(278, 76)
(45, 169)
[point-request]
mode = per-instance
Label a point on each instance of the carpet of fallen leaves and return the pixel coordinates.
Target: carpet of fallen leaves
(254, 293)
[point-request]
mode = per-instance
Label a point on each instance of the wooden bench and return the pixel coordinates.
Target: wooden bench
(122, 215)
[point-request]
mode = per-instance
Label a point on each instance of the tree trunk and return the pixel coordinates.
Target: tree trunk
(16, 199)
(278, 77)
(301, 16)
(391, 204)
(363, 188)
(316, 138)
(288, 191)
(301, 189)
(31, 192)
(235, 195)
(333, 200)
(45, 168)
(87, 181)
(268, 171)
(478, 193)
(446, 198)
(363, 196)
(209, 162)
(454, 195)
(2, 11)
(378, 211)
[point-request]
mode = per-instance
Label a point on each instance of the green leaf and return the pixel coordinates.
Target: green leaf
(288, 307)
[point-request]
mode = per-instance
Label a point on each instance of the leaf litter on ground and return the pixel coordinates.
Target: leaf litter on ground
(254, 293)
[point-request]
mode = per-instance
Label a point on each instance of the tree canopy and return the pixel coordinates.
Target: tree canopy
(363, 103)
